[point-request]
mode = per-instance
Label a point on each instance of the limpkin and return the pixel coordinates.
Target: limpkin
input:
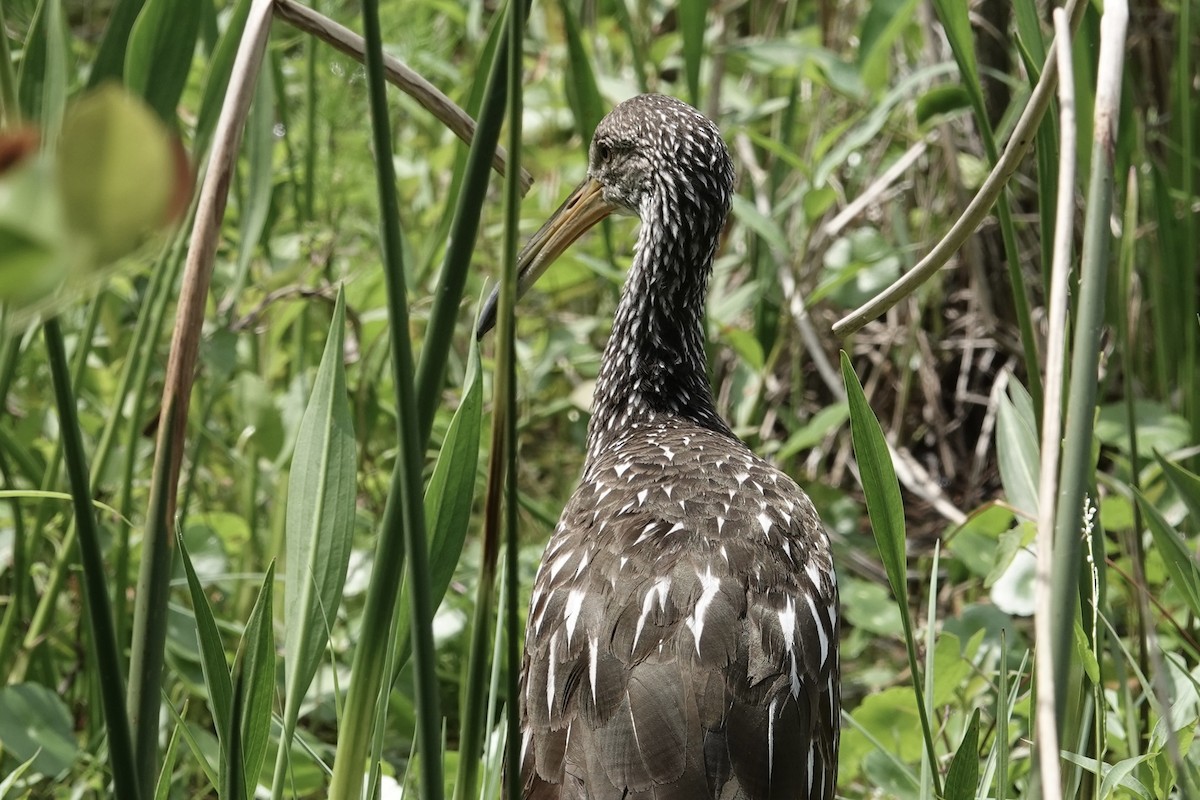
(682, 639)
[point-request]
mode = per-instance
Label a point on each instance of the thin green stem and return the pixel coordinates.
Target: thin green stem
(505, 389)
(1076, 473)
(431, 370)
(108, 656)
(310, 123)
(402, 535)
(10, 109)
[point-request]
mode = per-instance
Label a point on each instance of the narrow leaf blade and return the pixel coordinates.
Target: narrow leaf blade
(320, 519)
(159, 55)
(255, 684)
(212, 652)
(1178, 559)
(879, 483)
(963, 776)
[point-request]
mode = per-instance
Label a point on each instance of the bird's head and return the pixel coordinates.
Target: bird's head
(650, 152)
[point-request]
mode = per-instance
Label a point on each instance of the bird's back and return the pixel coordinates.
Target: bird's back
(682, 636)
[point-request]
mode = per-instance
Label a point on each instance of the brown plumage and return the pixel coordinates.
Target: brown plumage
(683, 627)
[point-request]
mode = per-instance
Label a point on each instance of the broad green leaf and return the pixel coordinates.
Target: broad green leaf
(890, 718)
(254, 689)
(320, 519)
(886, 511)
(1176, 556)
(1017, 450)
(950, 667)
(868, 607)
(749, 215)
(963, 776)
(159, 54)
(33, 259)
(878, 476)
(36, 724)
(1157, 428)
(1187, 484)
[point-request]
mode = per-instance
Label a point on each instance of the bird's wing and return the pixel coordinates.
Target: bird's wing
(683, 649)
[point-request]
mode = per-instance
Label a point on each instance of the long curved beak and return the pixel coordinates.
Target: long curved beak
(579, 213)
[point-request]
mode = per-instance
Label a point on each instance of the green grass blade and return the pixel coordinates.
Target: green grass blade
(461, 249)
(120, 746)
(158, 58)
(55, 79)
(322, 490)
(886, 510)
(882, 490)
(692, 14)
(1176, 556)
(402, 536)
(583, 93)
(1078, 470)
(884, 22)
(448, 499)
(259, 143)
(109, 63)
(957, 25)
(212, 651)
(472, 709)
(194, 746)
(10, 108)
(10, 780)
(927, 765)
(150, 619)
(504, 421)
(1186, 483)
(162, 791)
(452, 485)
(220, 66)
(254, 688)
(633, 33)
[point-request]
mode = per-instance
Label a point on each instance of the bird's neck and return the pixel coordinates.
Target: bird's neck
(655, 363)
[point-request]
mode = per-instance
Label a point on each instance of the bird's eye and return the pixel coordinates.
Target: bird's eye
(603, 151)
